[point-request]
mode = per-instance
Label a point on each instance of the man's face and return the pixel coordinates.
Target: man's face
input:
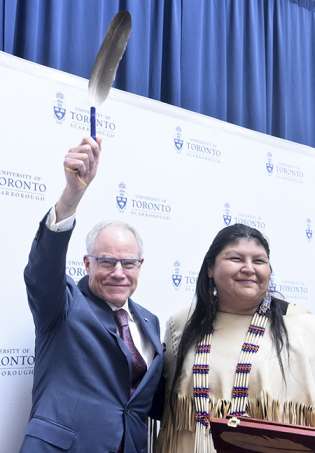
(114, 284)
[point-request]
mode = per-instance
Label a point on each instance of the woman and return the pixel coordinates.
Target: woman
(238, 351)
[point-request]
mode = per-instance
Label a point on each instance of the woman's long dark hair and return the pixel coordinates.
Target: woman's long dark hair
(202, 319)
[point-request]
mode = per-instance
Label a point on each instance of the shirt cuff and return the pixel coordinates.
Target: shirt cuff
(63, 225)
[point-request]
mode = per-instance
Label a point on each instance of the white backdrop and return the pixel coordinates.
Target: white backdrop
(177, 176)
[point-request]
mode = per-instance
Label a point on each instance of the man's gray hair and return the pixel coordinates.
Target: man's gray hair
(95, 231)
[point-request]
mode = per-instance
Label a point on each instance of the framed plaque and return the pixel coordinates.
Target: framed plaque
(246, 435)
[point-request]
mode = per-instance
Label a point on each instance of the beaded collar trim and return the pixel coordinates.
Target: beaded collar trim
(239, 396)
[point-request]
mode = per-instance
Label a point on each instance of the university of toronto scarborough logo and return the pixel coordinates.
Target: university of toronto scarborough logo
(178, 140)
(59, 109)
(308, 229)
(289, 171)
(269, 164)
(227, 217)
(121, 198)
(176, 276)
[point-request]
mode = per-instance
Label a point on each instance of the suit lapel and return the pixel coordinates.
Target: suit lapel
(104, 315)
(147, 325)
(149, 330)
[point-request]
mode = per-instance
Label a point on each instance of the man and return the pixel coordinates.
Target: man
(98, 353)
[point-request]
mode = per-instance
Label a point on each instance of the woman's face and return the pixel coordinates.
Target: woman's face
(241, 274)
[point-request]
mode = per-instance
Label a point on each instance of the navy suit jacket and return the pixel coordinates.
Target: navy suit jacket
(81, 401)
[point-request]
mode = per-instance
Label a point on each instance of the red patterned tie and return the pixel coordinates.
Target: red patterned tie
(139, 366)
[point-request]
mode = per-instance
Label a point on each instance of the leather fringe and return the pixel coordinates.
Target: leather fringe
(292, 413)
(263, 408)
(152, 434)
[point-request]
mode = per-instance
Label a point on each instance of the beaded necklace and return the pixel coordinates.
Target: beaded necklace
(239, 396)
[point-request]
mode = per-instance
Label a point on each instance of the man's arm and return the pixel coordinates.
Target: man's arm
(45, 272)
(80, 166)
